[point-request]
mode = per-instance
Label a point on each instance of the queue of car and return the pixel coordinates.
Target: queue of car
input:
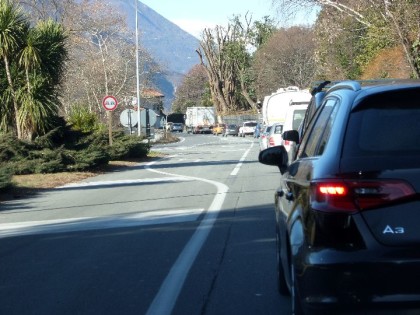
(347, 209)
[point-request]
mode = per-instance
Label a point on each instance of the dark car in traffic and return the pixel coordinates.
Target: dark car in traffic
(231, 130)
(177, 127)
(348, 206)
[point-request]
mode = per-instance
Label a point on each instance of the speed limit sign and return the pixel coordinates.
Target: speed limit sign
(109, 102)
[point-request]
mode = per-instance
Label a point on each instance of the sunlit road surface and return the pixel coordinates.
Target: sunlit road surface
(192, 233)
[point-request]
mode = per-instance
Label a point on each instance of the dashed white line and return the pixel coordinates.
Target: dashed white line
(242, 159)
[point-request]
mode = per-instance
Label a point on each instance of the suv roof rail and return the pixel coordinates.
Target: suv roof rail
(348, 85)
(354, 85)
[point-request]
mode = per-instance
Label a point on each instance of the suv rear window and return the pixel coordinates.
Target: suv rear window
(385, 126)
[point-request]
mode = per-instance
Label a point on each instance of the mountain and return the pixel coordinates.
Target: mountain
(172, 48)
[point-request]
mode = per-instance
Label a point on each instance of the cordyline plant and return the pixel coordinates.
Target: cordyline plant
(33, 59)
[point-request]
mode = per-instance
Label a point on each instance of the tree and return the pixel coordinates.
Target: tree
(226, 54)
(102, 57)
(340, 54)
(34, 60)
(220, 76)
(102, 60)
(287, 58)
(13, 27)
(193, 90)
(43, 57)
(400, 18)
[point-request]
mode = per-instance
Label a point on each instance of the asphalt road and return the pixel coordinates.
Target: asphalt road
(192, 233)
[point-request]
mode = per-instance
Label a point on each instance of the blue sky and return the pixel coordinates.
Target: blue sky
(195, 15)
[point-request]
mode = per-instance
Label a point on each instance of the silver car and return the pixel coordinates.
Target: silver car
(274, 136)
(263, 139)
(232, 130)
(177, 127)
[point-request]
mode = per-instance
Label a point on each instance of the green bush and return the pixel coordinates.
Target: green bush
(126, 147)
(63, 149)
(5, 178)
(89, 159)
(82, 119)
(53, 166)
(11, 149)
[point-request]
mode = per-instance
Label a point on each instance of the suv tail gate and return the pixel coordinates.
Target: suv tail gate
(381, 160)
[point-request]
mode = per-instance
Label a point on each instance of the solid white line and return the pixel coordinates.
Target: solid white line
(238, 166)
(120, 182)
(98, 223)
(170, 289)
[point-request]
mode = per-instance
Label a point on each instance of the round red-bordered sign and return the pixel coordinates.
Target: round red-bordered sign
(109, 102)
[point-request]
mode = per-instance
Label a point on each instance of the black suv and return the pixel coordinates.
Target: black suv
(348, 205)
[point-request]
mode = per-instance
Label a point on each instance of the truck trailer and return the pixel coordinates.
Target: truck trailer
(276, 105)
(200, 119)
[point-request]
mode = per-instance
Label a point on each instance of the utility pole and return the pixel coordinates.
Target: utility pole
(137, 71)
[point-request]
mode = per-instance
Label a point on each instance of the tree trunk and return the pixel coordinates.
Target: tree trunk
(15, 104)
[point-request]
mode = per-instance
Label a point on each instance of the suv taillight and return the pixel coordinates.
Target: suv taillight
(271, 141)
(355, 195)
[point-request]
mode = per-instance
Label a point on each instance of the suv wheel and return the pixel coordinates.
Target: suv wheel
(296, 306)
(281, 280)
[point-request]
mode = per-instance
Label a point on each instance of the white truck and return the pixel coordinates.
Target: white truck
(276, 105)
(200, 119)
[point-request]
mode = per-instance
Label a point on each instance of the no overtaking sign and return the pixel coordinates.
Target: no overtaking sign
(109, 102)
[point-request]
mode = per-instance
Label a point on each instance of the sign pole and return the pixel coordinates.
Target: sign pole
(109, 115)
(109, 103)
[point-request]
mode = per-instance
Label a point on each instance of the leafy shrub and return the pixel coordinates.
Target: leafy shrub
(53, 166)
(5, 178)
(12, 149)
(88, 159)
(51, 139)
(63, 149)
(24, 166)
(82, 119)
(125, 147)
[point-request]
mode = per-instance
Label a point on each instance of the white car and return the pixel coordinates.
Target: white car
(247, 128)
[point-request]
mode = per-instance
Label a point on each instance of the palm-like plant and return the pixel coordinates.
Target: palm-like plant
(43, 58)
(34, 62)
(30, 57)
(13, 28)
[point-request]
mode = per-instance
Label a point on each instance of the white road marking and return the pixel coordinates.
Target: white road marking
(165, 300)
(238, 166)
(98, 223)
(121, 182)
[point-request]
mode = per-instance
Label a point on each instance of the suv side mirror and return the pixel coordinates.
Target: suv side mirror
(276, 156)
(291, 135)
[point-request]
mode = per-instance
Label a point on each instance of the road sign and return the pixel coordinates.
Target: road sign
(109, 102)
(152, 117)
(128, 118)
